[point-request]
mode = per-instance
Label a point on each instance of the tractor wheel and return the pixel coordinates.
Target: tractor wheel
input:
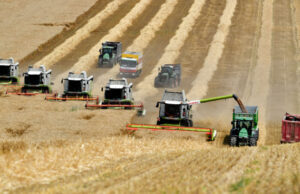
(252, 141)
(233, 141)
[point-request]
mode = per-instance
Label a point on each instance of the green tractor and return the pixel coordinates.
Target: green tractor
(110, 54)
(244, 127)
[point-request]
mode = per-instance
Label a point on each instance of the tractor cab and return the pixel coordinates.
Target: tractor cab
(77, 84)
(106, 52)
(174, 109)
(9, 71)
(165, 73)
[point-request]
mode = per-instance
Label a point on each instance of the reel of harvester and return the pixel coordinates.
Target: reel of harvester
(117, 105)
(57, 97)
(211, 133)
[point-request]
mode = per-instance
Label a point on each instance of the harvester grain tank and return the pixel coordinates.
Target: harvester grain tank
(110, 54)
(131, 64)
(290, 129)
(118, 95)
(77, 87)
(244, 126)
(175, 114)
(169, 76)
(9, 71)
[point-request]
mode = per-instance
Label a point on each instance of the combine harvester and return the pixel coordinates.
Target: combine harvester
(9, 72)
(175, 114)
(77, 87)
(36, 81)
(118, 95)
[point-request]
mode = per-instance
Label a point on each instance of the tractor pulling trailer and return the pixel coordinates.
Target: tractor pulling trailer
(110, 54)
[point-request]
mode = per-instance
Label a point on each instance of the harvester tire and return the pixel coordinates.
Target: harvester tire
(233, 141)
(252, 141)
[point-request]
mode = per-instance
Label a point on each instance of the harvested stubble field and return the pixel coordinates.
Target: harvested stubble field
(247, 47)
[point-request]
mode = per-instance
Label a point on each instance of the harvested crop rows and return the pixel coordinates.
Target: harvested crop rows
(246, 47)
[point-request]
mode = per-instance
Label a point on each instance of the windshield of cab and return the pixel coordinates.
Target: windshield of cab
(33, 79)
(128, 63)
(172, 110)
(107, 50)
(114, 94)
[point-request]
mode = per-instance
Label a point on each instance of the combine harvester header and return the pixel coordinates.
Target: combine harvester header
(77, 87)
(118, 95)
(175, 114)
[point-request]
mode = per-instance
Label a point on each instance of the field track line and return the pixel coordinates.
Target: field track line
(68, 45)
(200, 84)
(145, 173)
(260, 84)
(172, 50)
(148, 32)
(296, 43)
(87, 61)
(146, 35)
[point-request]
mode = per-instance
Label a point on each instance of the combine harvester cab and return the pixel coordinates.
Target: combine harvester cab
(118, 95)
(131, 64)
(175, 114)
(9, 72)
(174, 109)
(244, 127)
(110, 54)
(290, 128)
(36, 81)
(169, 76)
(77, 87)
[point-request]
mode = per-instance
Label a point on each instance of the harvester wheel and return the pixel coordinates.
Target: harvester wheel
(253, 141)
(233, 141)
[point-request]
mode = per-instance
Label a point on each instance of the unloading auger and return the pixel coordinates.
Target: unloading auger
(175, 114)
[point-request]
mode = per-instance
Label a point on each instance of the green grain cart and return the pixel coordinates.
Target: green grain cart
(244, 127)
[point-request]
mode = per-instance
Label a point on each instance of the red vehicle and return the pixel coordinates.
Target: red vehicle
(290, 128)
